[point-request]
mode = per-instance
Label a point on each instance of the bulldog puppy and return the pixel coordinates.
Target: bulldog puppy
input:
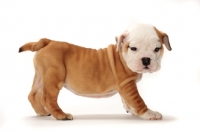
(96, 73)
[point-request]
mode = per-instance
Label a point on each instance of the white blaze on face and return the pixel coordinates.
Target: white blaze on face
(145, 39)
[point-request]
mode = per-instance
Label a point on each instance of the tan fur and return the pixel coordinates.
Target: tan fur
(86, 71)
(161, 36)
(35, 46)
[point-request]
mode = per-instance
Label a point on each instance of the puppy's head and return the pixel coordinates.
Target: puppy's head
(142, 47)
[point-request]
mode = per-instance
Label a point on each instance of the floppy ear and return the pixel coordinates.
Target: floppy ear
(165, 40)
(120, 40)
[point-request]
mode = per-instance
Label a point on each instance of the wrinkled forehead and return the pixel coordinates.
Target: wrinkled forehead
(143, 33)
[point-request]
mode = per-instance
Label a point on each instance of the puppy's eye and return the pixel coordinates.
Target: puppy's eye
(157, 49)
(133, 48)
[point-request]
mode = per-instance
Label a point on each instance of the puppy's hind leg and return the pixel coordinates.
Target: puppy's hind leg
(53, 79)
(35, 95)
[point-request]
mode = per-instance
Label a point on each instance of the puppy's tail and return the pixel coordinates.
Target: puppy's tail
(35, 46)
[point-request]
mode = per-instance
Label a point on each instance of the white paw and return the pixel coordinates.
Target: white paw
(151, 115)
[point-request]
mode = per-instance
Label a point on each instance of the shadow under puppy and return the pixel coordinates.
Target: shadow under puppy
(96, 73)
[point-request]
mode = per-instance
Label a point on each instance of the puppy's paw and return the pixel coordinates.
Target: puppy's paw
(64, 116)
(151, 115)
(68, 117)
(44, 114)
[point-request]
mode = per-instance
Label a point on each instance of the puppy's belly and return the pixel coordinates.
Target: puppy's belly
(104, 95)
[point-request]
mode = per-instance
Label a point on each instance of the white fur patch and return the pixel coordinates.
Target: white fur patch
(145, 39)
(151, 115)
(148, 115)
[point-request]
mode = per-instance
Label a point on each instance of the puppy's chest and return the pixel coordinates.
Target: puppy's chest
(92, 94)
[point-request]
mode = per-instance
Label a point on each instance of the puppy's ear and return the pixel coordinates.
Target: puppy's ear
(164, 39)
(120, 40)
(116, 39)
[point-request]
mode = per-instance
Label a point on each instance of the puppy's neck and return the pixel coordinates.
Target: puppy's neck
(121, 65)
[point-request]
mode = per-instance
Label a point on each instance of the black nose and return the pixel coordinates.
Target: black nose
(146, 61)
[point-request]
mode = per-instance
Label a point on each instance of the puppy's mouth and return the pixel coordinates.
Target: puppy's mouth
(146, 68)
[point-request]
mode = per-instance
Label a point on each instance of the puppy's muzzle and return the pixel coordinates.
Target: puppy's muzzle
(146, 61)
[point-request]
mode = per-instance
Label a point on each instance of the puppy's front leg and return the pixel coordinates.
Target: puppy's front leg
(134, 104)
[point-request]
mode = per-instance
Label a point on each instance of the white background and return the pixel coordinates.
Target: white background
(174, 90)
